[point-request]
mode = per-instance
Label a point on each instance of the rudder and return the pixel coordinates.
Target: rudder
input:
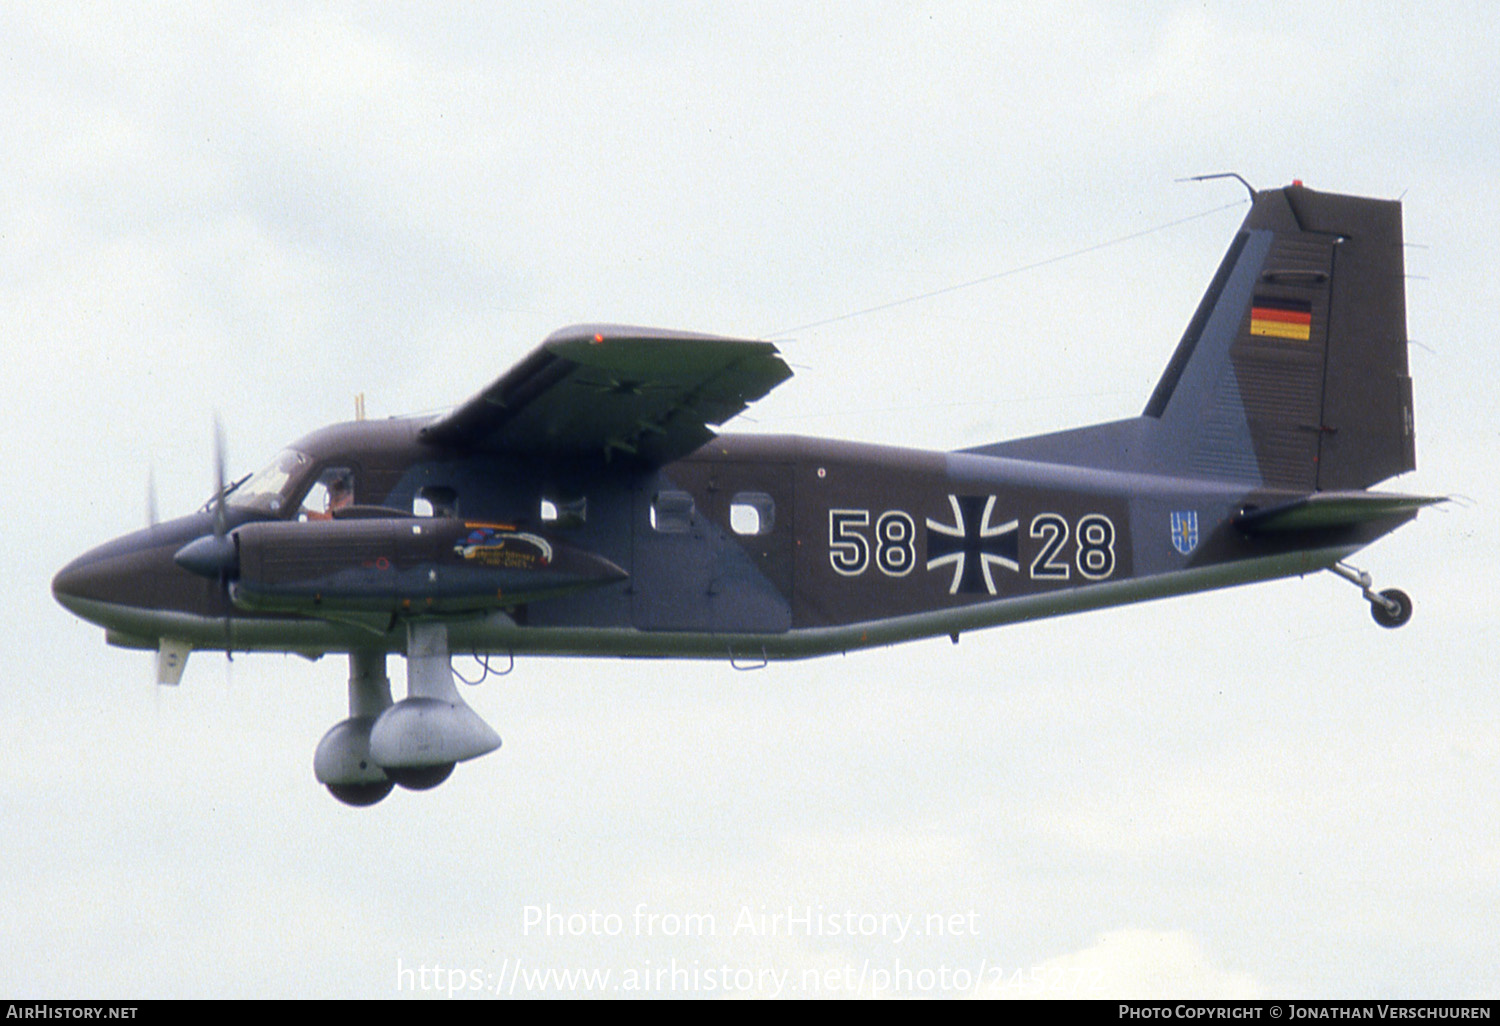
(1367, 428)
(1294, 369)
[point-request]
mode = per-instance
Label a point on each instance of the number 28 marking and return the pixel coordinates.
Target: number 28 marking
(1096, 547)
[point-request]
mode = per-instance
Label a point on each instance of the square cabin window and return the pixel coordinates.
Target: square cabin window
(672, 512)
(564, 516)
(435, 501)
(752, 513)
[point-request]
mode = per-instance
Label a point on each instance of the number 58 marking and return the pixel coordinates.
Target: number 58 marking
(895, 542)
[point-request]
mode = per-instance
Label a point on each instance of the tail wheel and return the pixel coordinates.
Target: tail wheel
(1394, 610)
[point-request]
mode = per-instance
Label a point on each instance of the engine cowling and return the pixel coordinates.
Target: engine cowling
(405, 566)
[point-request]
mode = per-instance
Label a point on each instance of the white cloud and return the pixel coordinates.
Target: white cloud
(1131, 965)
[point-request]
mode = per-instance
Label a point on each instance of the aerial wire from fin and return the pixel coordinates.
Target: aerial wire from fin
(1003, 274)
(1230, 174)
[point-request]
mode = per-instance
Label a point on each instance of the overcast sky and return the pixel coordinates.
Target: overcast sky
(261, 210)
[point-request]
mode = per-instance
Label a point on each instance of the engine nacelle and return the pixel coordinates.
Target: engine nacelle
(405, 565)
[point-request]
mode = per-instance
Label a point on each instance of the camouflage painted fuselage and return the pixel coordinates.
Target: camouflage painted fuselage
(580, 505)
(853, 545)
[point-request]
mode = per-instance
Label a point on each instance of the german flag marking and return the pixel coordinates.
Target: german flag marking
(1281, 318)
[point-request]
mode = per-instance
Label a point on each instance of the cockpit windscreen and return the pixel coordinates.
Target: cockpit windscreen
(266, 491)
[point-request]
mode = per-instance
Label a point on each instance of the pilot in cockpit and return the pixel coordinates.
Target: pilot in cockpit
(340, 493)
(333, 491)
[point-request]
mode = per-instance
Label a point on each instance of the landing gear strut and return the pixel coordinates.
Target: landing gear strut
(343, 762)
(414, 742)
(1390, 608)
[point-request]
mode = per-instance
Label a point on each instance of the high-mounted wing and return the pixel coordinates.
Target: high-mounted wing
(611, 391)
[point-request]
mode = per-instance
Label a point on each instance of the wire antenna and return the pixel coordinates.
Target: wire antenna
(1003, 274)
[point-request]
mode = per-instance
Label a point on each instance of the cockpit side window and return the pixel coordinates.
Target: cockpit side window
(332, 491)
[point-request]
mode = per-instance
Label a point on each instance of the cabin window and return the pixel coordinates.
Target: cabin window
(752, 513)
(435, 501)
(563, 516)
(672, 512)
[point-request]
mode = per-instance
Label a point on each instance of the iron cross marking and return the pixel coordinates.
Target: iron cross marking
(972, 544)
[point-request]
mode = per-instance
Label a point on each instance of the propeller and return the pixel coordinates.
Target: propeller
(216, 555)
(229, 551)
(220, 520)
(152, 517)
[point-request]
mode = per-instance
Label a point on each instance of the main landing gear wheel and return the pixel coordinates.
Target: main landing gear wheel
(420, 778)
(360, 794)
(413, 743)
(1394, 611)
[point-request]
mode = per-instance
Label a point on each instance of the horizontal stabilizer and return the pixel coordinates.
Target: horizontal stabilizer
(1323, 510)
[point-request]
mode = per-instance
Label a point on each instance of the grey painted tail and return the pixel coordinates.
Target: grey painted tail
(1292, 373)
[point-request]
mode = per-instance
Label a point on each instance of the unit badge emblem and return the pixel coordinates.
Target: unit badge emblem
(1185, 531)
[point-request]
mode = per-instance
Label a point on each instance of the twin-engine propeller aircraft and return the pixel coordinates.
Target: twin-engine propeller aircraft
(581, 505)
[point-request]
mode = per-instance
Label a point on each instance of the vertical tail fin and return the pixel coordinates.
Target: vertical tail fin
(1292, 373)
(1294, 369)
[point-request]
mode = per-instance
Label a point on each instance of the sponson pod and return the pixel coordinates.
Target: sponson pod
(405, 565)
(418, 740)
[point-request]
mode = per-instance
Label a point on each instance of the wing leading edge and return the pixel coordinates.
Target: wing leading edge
(613, 391)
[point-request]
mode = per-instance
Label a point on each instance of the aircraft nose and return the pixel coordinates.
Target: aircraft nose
(135, 572)
(79, 579)
(93, 577)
